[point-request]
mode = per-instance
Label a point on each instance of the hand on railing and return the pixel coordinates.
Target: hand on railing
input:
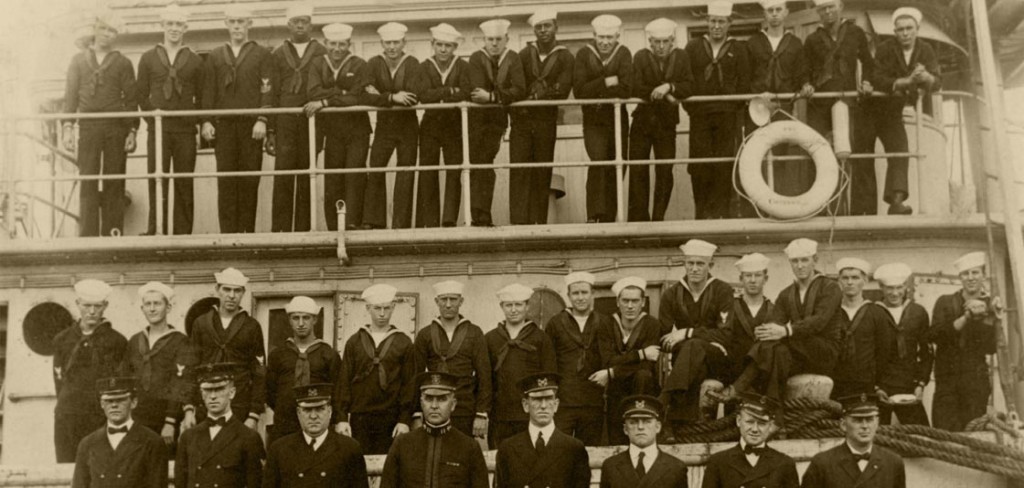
(129, 142)
(270, 144)
(69, 137)
(659, 92)
(405, 98)
(611, 81)
(208, 132)
(259, 130)
(311, 108)
(480, 95)
(865, 88)
(806, 91)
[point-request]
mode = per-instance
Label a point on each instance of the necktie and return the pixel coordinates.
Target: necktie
(117, 430)
(540, 441)
(312, 443)
(641, 470)
(757, 451)
(220, 422)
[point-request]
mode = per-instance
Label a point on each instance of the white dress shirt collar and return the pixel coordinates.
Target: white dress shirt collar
(650, 454)
(547, 430)
(318, 441)
(115, 439)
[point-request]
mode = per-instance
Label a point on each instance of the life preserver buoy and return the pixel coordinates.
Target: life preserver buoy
(781, 206)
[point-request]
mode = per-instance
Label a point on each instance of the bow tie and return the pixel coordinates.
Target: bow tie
(757, 451)
(219, 422)
(117, 430)
(862, 457)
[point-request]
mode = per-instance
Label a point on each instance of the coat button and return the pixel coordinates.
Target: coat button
(301, 475)
(323, 474)
(218, 466)
(118, 476)
(103, 476)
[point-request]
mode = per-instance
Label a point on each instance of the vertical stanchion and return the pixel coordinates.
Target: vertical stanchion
(466, 200)
(620, 199)
(158, 172)
(311, 127)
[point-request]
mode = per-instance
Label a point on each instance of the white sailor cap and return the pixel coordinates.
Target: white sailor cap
(515, 293)
(449, 287)
(698, 248)
(579, 277)
(110, 19)
(753, 262)
(237, 11)
(173, 13)
(495, 27)
(302, 304)
(801, 248)
(893, 274)
(379, 294)
(542, 15)
(970, 260)
(90, 290)
(298, 9)
(231, 277)
(629, 282)
(446, 33)
(911, 12)
(855, 263)
(720, 8)
(392, 31)
(819, 3)
(660, 28)
(767, 4)
(606, 25)
(337, 32)
(158, 287)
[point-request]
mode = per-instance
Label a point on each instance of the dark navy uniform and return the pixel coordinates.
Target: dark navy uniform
(578, 355)
(347, 135)
(291, 73)
(862, 350)
(234, 458)
(140, 460)
(909, 362)
(630, 374)
(464, 356)
(80, 360)
(730, 469)
(590, 73)
(167, 84)
(512, 359)
(962, 381)
(618, 472)
(434, 457)
(241, 342)
(288, 368)
(535, 130)
(503, 77)
(337, 462)
(563, 462)
(164, 371)
(837, 468)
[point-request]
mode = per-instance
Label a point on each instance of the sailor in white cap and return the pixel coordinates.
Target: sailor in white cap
(304, 359)
(909, 365)
(243, 77)
(548, 68)
(337, 80)
(375, 393)
(496, 79)
(603, 69)
(963, 332)
(443, 78)
(161, 360)
(720, 66)
(288, 134)
(84, 352)
(903, 67)
(634, 336)
(453, 344)
(392, 76)
(863, 325)
(169, 79)
(517, 348)
(653, 122)
(227, 333)
(573, 333)
(110, 89)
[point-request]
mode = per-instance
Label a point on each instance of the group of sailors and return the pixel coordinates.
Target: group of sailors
(539, 395)
(303, 72)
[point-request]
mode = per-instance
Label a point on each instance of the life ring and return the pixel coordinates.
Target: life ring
(781, 206)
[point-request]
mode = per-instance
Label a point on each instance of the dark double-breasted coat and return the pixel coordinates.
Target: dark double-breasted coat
(836, 468)
(667, 471)
(337, 463)
(232, 459)
(140, 460)
(562, 463)
(435, 458)
(730, 469)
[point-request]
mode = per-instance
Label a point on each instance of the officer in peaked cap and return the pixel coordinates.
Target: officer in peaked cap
(123, 452)
(858, 461)
(409, 460)
(220, 450)
(642, 464)
(541, 455)
(85, 351)
(752, 462)
(316, 456)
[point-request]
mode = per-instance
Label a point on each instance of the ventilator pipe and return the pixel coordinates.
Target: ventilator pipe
(342, 251)
(841, 130)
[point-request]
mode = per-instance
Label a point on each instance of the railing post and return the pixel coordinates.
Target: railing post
(466, 197)
(312, 173)
(158, 172)
(620, 198)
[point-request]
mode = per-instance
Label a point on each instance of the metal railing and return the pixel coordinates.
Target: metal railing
(620, 162)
